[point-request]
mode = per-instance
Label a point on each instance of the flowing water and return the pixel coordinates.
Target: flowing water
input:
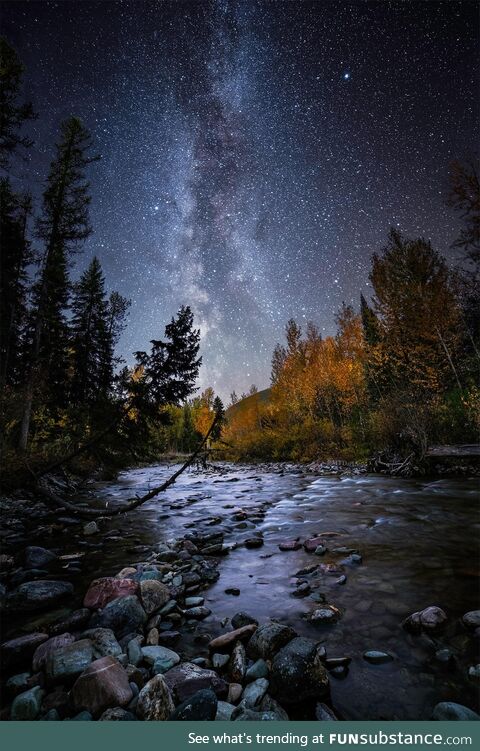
(419, 544)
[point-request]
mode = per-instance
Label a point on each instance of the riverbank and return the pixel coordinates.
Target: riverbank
(395, 525)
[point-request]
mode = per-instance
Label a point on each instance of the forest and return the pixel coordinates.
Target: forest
(400, 374)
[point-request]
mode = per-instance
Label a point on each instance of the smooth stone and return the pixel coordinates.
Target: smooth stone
(152, 638)
(445, 656)
(155, 700)
(193, 602)
(44, 650)
(377, 658)
(134, 650)
(243, 619)
(219, 660)
(430, 619)
(253, 542)
(104, 590)
(225, 642)
(36, 557)
(449, 710)
(268, 639)
(81, 717)
(186, 679)
(68, 661)
(288, 545)
(202, 705)
(41, 593)
(298, 672)
(51, 716)
(27, 706)
(197, 614)
(254, 693)
(472, 619)
(224, 711)
(312, 544)
(103, 684)
(123, 616)
(154, 595)
(259, 669)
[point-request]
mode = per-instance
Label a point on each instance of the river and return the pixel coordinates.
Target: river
(419, 544)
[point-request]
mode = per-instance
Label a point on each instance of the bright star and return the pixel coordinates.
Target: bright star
(346, 76)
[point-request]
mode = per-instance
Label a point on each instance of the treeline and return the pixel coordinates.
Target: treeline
(402, 372)
(60, 380)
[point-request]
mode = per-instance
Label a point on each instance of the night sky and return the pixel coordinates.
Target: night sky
(254, 154)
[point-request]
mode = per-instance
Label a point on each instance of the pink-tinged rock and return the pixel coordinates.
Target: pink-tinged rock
(312, 544)
(19, 650)
(290, 545)
(103, 591)
(225, 642)
(104, 683)
(186, 679)
(43, 652)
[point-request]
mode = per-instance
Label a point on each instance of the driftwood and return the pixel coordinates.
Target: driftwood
(53, 499)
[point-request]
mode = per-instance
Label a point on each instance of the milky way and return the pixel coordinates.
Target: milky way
(254, 154)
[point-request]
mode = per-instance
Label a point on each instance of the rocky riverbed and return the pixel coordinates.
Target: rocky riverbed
(273, 592)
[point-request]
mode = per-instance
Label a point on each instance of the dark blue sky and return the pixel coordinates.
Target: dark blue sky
(254, 154)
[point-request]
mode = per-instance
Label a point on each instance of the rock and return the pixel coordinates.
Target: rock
(102, 591)
(45, 650)
(126, 573)
(117, 714)
(81, 717)
(75, 621)
(155, 700)
(320, 550)
(268, 704)
(104, 642)
(187, 678)
(224, 711)
(254, 693)
(152, 637)
(161, 658)
(474, 673)
(134, 651)
(232, 591)
(193, 602)
(169, 638)
(18, 651)
(253, 542)
(219, 661)
(377, 658)
(268, 639)
(323, 615)
(472, 619)
(122, 615)
(287, 545)
(27, 706)
(298, 673)
(234, 692)
(324, 713)
(67, 662)
(154, 595)
(243, 619)
(225, 642)
(237, 665)
(302, 590)
(445, 656)
(52, 716)
(36, 557)
(259, 669)
(341, 579)
(202, 705)
(312, 544)
(90, 528)
(430, 619)
(17, 684)
(449, 710)
(6, 562)
(104, 683)
(41, 593)
(197, 613)
(242, 714)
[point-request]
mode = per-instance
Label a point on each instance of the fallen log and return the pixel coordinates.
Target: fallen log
(53, 499)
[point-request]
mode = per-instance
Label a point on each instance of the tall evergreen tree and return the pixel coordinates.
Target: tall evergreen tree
(63, 226)
(219, 411)
(12, 114)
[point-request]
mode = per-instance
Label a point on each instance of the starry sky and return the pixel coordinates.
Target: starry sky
(254, 153)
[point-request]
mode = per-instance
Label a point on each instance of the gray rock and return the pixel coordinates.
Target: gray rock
(155, 700)
(254, 693)
(68, 661)
(193, 602)
(90, 528)
(259, 669)
(474, 673)
(269, 704)
(41, 593)
(36, 557)
(268, 639)
(219, 661)
(123, 616)
(26, 706)
(17, 684)
(243, 619)
(202, 705)
(377, 658)
(429, 619)
(242, 714)
(117, 714)
(323, 615)
(224, 711)
(198, 613)
(472, 619)
(103, 641)
(52, 716)
(449, 710)
(298, 673)
(134, 650)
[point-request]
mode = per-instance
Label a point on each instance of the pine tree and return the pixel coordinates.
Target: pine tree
(12, 114)
(219, 411)
(63, 226)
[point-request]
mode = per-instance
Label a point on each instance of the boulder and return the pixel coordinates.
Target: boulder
(449, 710)
(27, 706)
(43, 651)
(123, 616)
(104, 683)
(268, 639)
(225, 642)
(429, 619)
(472, 619)
(103, 641)
(41, 593)
(162, 657)
(155, 700)
(19, 651)
(200, 706)
(186, 679)
(67, 662)
(102, 591)
(154, 595)
(298, 672)
(36, 557)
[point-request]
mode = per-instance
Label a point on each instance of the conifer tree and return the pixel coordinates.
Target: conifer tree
(12, 114)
